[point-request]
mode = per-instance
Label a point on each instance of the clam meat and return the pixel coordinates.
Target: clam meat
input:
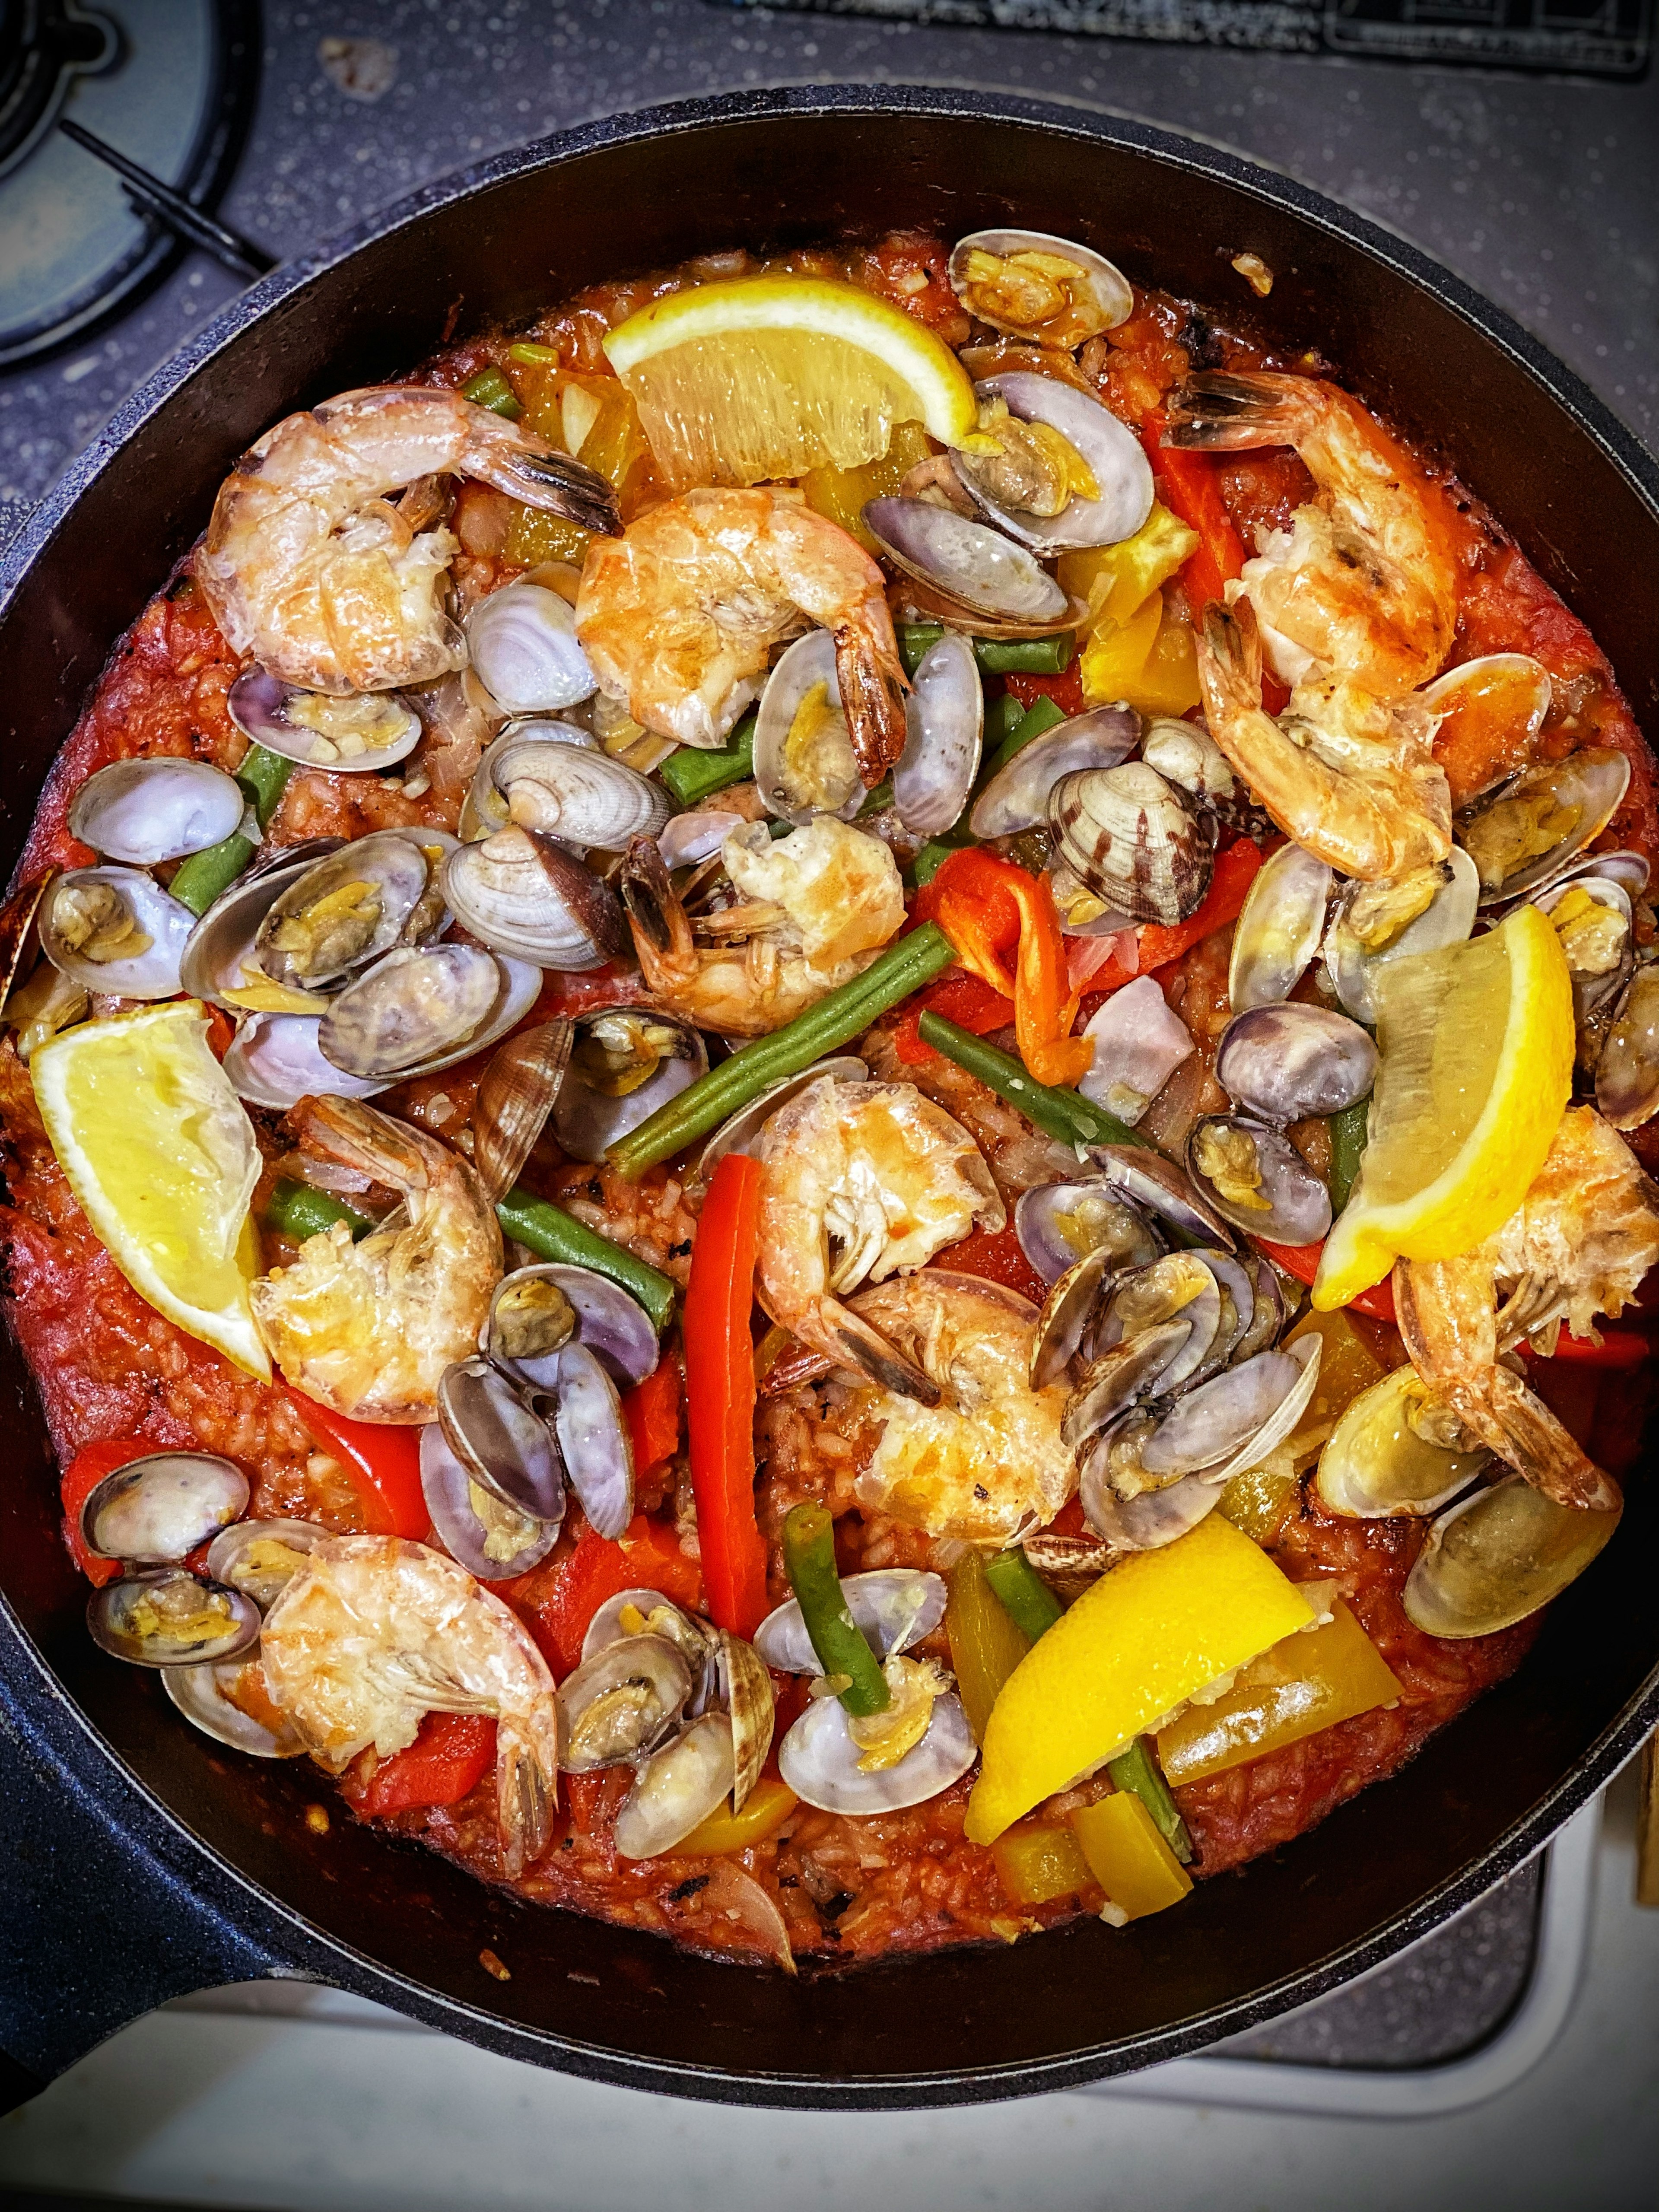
(1255, 1178)
(1029, 284)
(805, 765)
(261, 1558)
(168, 1617)
(349, 736)
(893, 1607)
(347, 909)
(1532, 831)
(536, 1312)
(821, 1763)
(491, 1539)
(1058, 1223)
(1053, 436)
(619, 1704)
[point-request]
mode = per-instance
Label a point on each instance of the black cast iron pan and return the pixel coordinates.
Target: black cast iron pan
(142, 1862)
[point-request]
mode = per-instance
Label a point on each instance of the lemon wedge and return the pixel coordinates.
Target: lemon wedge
(1135, 1646)
(766, 377)
(1477, 1045)
(161, 1155)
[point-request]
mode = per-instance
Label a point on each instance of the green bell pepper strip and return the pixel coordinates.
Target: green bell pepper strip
(694, 774)
(491, 389)
(1063, 1114)
(207, 875)
(299, 1212)
(553, 1234)
(1350, 1133)
(808, 1556)
(995, 656)
(1025, 1597)
(903, 968)
(1136, 1771)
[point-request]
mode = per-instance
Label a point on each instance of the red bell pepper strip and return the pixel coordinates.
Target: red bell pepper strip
(1066, 690)
(1189, 486)
(652, 1411)
(447, 1761)
(383, 1461)
(1157, 942)
(973, 891)
(961, 998)
(80, 1478)
(1301, 1261)
(719, 1364)
(1619, 1348)
(558, 1598)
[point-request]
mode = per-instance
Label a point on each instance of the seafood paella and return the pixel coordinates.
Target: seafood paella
(824, 1101)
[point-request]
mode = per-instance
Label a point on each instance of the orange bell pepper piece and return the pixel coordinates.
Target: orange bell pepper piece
(969, 890)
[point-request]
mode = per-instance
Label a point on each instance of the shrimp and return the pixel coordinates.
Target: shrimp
(375, 1633)
(861, 1181)
(1364, 585)
(814, 910)
(308, 567)
(986, 1459)
(369, 1328)
(1579, 1245)
(678, 616)
(1349, 777)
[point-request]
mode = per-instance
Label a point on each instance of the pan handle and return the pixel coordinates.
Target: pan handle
(93, 1932)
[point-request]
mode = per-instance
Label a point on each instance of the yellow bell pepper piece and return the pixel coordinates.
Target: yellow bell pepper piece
(1258, 1500)
(1136, 1645)
(1347, 1365)
(1168, 683)
(841, 494)
(1039, 1860)
(1128, 1858)
(1117, 580)
(1306, 1683)
(765, 1809)
(594, 416)
(986, 1643)
(1114, 654)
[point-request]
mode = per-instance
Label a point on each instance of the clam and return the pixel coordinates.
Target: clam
(1007, 485)
(620, 1704)
(490, 1538)
(114, 930)
(43, 1007)
(625, 1062)
(350, 736)
(1282, 1063)
(1375, 923)
(1132, 839)
(515, 1095)
(1255, 1178)
(417, 1005)
(592, 1438)
(261, 1558)
(677, 1789)
(1066, 1322)
(19, 938)
(523, 895)
(524, 651)
(1395, 1451)
(1492, 1559)
(536, 1312)
(746, 1688)
(1058, 1223)
(1139, 1040)
(485, 807)
(1153, 1517)
(347, 909)
(218, 963)
(1184, 753)
(1278, 928)
(1630, 869)
(805, 765)
(892, 1607)
(658, 1616)
(821, 1763)
(1029, 285)
(1159, 1186)
(143, 811)
(500, 1439)
(1627, 1071)
(944, 723)
(1133, 1369)
(1533, 829)
(1017, 796)
(582, 797)
(206, 1695)
(1491, 711)
(160, 1508)
(1180, 1286)
(1266, 1312)
(1237, 1283)
(274, 1060)
(168, 1617)
(689, 839)
(1234, 1419)
(742, 1133)
(1595, 922)
(972, 564)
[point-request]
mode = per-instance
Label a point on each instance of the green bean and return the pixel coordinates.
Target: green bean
(915, 640)
(995, 656)
(553, 1234)
(808, 1556)
(491, 389)
(1350, 1133)
(695, 773)
(1026, 1598)
(264, 777)
(1041, 715)
(878, 801)
(846, 1013)
(203, 875)
(1003, 716)
(299, 1212)
(1137, 1772)
(1064, 1113)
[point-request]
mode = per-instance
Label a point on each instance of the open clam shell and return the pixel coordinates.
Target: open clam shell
(524, 650)
(1132, 839)
(114, 930)
(1030, 285)
(524, 895)
(219, 952)
(485, 807)
(580, 796)
(1361, 941)
(205, 1695)
(352, 736)
(168, 1617)
(1153, 1517)
(690, 839)
(143, 811)
(1279, 929)
(820, 1762)
(343, 912)
(1268, 1315)
(1492, 1559)
(1114, 455)
(1180, 1286)
(805, 765)
(491, 1539)
(1157, 1186)
(1066, 1324)
(1376, 1463)
(1135, 1368)
(500, 1439)
(1234, 1419)
(691, 1636)
(742, 1133)
(593, 1442)
(20, 936)
(274, 1060)
(261, 1558)
(969, 562)
(678, 1787)
(1282, 1063)
(160, 1508)
(1139, 1040)
(1490, 708)
(619, 1704)
(1058, 1223)
(1258, 1179)
(417, 1004)
(1531, 831)
(893, 1607)
(1601, 945)
(944, 721)
(514, 1097)
(625, 1062)
(750, 1707)
(1017, 797)
(1185, 755)
(536, 1312)
(1627, 1070)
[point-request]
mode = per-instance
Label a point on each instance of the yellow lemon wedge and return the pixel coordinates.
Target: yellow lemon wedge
(766, 377)
(161, 1155)
(1137, 1644)
(1477, 1046)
